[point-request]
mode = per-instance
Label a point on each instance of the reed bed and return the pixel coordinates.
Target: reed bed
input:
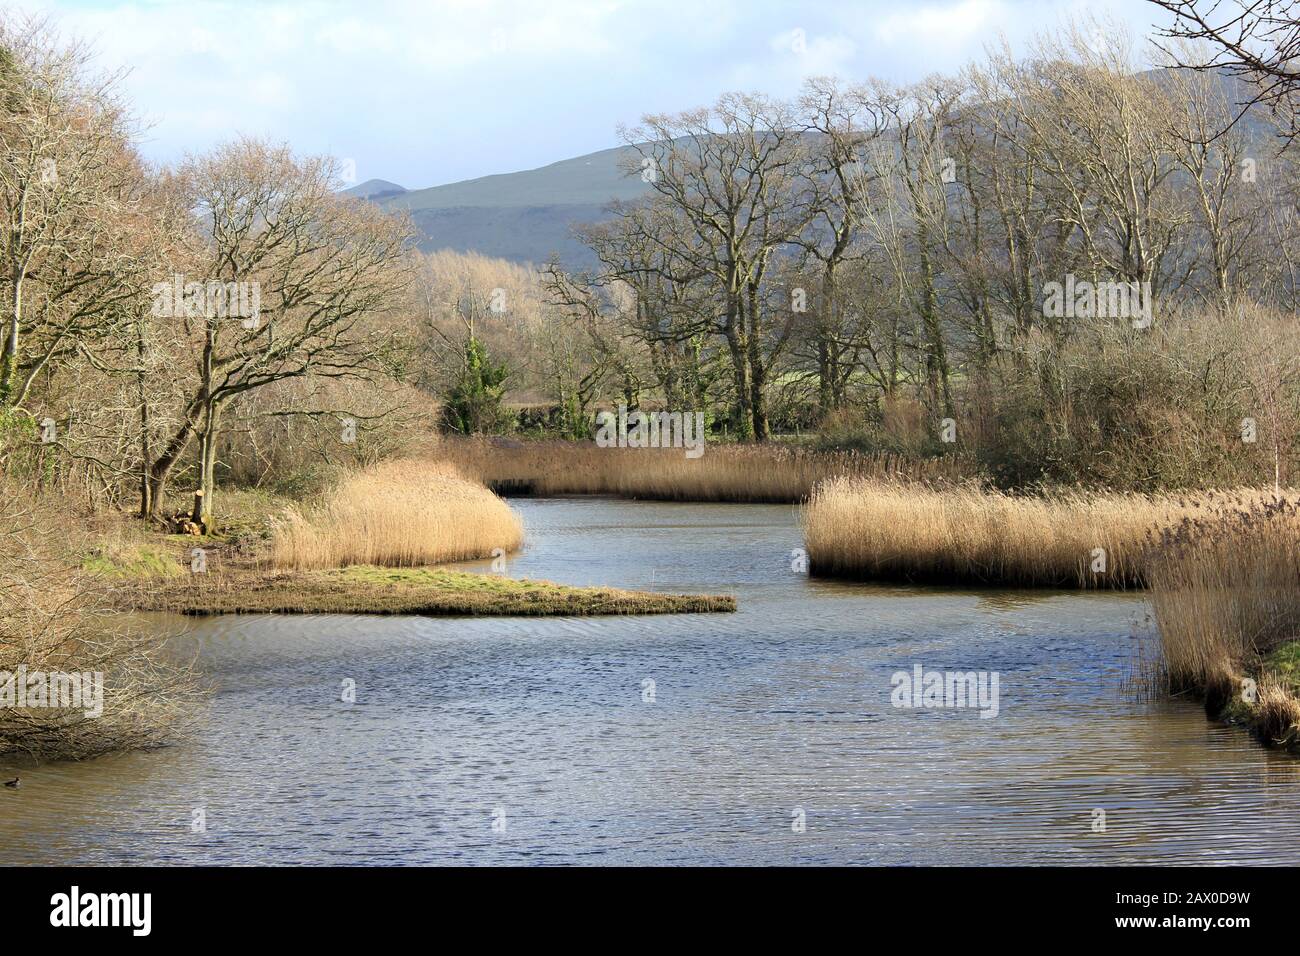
(753, 474)
(871, 529)
(402, 513)
(1225, 593)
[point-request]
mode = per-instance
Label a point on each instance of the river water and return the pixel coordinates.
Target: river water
(762, 737)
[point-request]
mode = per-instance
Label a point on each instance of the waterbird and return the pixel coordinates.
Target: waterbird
(12, 784)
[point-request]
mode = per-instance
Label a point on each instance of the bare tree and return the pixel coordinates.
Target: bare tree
(317, 265)
(1257, 41)
(68, 186)
(733, 172)
(658, 290)
(842, 124)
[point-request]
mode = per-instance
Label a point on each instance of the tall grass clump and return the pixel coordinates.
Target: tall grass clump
(400, 513)
(1225, 593)
(870, 529)
(751, 474)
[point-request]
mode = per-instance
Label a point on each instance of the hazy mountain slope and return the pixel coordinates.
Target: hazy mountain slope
(375, 189)
(525, 216)
(518, 233)
(584, 180)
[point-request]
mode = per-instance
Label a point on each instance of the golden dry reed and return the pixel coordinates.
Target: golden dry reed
(1225, 593)
(724, 473)
(402, 513)
(870, 529)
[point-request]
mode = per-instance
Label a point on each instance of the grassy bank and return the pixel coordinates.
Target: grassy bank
(755, 474)
(375, 590)
(1225, 593)
(873, 530)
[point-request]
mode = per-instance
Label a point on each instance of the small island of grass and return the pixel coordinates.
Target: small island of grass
(378, 542)
(380, 590)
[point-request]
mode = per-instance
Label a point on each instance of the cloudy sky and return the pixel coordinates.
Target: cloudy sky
(425, 92)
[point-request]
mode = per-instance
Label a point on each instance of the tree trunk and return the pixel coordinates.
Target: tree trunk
(9, 353)
(936, 359)
(828, 386)
(207, 464)
(161, 467)
(141, 396)
(757, 368)
(740, 370)
(758, 403)
(160, 470)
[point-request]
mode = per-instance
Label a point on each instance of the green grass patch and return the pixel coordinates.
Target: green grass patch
(1272, 716)
(132, 563)
(444, 579)
(1284, 662)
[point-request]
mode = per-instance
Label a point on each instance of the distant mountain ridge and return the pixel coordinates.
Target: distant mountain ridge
(375, 189)
(525, 216)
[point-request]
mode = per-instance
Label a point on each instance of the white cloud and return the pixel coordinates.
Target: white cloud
(948, 27)
(423, 92)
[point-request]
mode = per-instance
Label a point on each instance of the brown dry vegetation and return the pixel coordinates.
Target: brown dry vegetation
(731, 473)
(52, 620)
(400, 513)
(1225, 590)
(1222, 570)
(870, 529)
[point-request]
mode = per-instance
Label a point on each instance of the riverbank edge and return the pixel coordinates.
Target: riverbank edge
(828, 571)
(431, 592)
(1269, 719)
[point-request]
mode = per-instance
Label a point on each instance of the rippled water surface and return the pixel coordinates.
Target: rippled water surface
(783, 705)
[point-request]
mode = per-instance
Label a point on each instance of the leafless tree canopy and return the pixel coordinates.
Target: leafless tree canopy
(1257, 41)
